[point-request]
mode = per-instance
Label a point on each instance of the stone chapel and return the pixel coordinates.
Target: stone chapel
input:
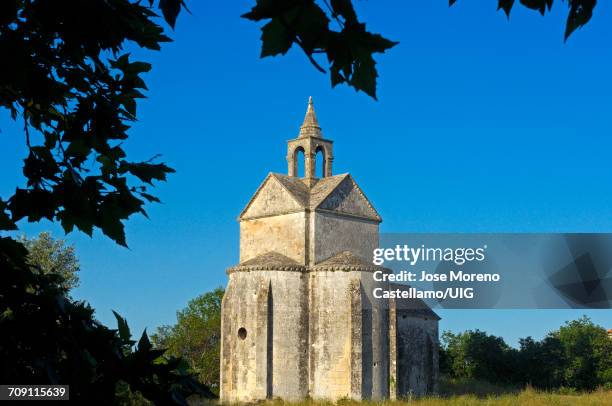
(298, 316)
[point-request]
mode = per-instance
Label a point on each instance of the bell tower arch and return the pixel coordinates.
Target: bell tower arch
(310, 141)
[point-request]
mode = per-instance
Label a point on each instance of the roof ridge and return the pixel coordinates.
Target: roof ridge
(327, 193)
(280, 177)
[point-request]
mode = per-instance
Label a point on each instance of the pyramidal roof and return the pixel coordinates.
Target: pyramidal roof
(326, 194)
(310, 127)
(346, 258)
(346, 261)
(270, 258)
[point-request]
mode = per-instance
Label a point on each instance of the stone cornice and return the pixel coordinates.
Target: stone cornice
(306, 269)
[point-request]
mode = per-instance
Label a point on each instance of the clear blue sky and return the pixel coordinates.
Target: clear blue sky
(482, 125)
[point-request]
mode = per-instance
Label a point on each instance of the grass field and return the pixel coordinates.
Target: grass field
(526, 397)
(462, 392)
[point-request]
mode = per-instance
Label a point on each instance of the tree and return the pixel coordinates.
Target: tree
(588, 354)
(75, 90)
(474, 354)
(196, 336)
(49, 255)
(540, 363)
(577, 355)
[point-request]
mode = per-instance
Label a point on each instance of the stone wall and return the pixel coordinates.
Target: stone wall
(264, 336)
(285, 234)
(330, 335)
(296, 334)
(417, 353)
(333, 234)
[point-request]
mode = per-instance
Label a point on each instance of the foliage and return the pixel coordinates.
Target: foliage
(477, 355)
(579, 13)
(196, 336)
(540, 363)
(578, 355)
(75, 90)
(49, 255)
(349, 48)
(49, 338)
(587, 352)
(332, 28)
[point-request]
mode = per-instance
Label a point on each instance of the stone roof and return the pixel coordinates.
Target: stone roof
(311, 197)
(346, 261)
(270, 258)
(295, 187)
(274, 261)
(269, 261)
(310, 127)
(324, 187)
(307, 197)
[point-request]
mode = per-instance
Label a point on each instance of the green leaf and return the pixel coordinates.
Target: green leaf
(351, 56)
(539, 5)
(5, 221)
(364, 75)
(150, 198)
(35, 204)
(144, 345)
(139, 67)
(113, 228)
(580, 13)
(123, 328)
(114, 208)
(345, 9)
(68, 220)
(311, 25)
(170, 9)
(505, 5)
(275, 39)
(39, 166)
(146, 172)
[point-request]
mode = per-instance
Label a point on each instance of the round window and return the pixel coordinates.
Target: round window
(242, 333)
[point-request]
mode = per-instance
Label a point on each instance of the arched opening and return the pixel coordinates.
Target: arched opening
(298, 162)
(320, 162)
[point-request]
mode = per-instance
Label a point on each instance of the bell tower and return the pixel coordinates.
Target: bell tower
(310, 141)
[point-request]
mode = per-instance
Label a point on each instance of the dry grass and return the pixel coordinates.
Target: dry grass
(527, 397)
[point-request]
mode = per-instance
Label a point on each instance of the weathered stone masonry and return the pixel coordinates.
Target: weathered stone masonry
(298, 316)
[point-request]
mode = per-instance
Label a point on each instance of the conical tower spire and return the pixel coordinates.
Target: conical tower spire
(310, 126)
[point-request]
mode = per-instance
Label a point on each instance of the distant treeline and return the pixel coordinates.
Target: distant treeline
(577, 355)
